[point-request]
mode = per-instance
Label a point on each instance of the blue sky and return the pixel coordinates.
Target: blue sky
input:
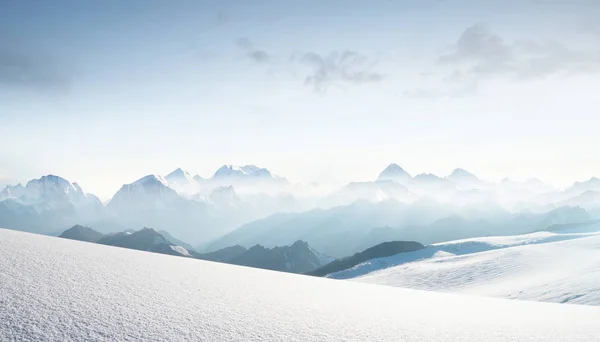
(103, 93)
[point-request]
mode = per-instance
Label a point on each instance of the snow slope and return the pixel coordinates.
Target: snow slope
(55, 289)
(542, 266)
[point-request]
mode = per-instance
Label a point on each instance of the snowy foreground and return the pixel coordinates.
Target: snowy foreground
(544, 266)
(60, 290)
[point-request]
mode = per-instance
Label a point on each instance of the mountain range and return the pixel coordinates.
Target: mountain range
(146, 239)
(296, 258)
(382, 250)
(345, 230)
(249, 205)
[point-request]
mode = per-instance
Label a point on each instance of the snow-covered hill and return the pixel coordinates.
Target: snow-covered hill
(544, 266)
(55, 289)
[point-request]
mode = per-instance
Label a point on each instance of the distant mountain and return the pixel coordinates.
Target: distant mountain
(338, 231)
(225, 197)
(14, 215)
(246, 171)
(149, 201)
(297, 258)
(531, 186)
(82, 233)
(252, 177)
(345, 230)
(433, 180)
(146, 239)
(466, 180)
(46, 204)
(577, 227)
(51, 193)
(181, 181)
(430, 185)
(382, 250)
(588, 200)
(148, 193)
(395, 173)
(222, 255)
(593, 184)
(380, 190)
(12, 191)
(176, 241)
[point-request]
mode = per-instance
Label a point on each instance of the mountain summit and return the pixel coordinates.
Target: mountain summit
(149, 192)
(245, 171)
(179, 177)
(182, 181)
(297, 258)
(52, 193)
(461, 175)
(396, 173)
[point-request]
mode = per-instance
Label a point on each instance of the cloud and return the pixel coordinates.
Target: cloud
(320, 70)
(246, 45)
(539, 60)
(20, 69)
(479, 52)
(480, 55)
(337, 67)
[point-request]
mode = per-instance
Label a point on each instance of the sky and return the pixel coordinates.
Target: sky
(103, 93)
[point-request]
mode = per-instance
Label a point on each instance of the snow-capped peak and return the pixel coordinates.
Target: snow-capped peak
(51, 192)
(181, 180)
(151, 180)
(394, 172)
(242, 171)
(427, 177)
(178, 174)
(52, 182)
(461, 175)
(148, 193)
(12, 191)
(225, 196)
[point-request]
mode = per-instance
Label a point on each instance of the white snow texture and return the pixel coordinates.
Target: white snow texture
(54, 289)
(544, 266)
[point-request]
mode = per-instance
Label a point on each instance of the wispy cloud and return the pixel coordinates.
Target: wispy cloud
(337, 68)
(479, 55)
(257, 55)
(479, 51)
(320, 71)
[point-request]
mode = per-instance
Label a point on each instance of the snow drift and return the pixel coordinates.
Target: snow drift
(55, 289)
(544, 266)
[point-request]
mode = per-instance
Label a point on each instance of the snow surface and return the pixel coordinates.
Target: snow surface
(55, 289)
(180, 250)
(543, 266)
